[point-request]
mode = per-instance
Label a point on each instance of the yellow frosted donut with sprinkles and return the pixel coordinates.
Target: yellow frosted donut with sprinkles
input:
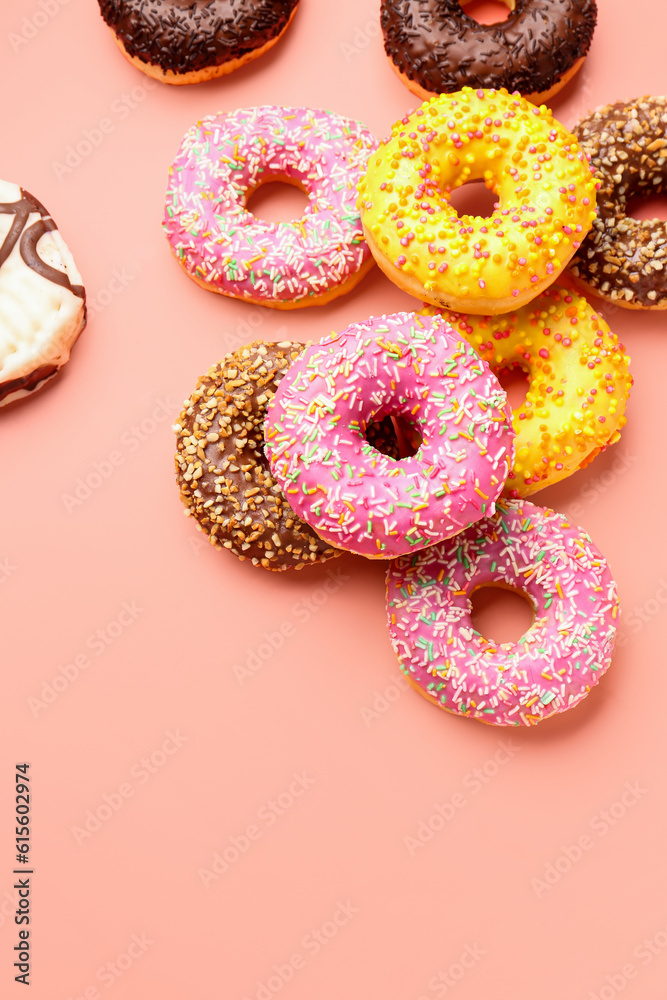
(578, 382)
(545, 207)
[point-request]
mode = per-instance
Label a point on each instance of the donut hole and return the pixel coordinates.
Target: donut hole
(650, 209)
(474, 198)
(487, 11)
(514, 380)
(394, 435)
(278, 199)
(499, 613)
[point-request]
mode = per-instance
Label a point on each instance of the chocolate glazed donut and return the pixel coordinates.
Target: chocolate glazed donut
(437, 48)
(185, 41)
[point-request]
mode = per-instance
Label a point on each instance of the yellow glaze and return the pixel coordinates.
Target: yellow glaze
(544, 185)
(578, 382)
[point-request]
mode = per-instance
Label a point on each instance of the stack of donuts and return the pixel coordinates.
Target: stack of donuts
(394, 439)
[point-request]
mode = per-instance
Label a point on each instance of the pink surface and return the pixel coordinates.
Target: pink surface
(307, 813)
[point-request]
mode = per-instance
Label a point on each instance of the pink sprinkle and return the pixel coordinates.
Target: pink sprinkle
(482, 283)
(544, 353)
(400, 261)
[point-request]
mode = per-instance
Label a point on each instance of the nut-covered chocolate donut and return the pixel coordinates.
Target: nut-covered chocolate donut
(224, 477)
(624, 259)
(184, 41)
(437, 48)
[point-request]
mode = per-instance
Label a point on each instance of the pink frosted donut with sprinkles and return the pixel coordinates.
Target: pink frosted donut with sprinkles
(222, 246)
(357, 498)
(565, 652)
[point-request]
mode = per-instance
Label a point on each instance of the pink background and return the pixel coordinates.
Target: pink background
(375, 761)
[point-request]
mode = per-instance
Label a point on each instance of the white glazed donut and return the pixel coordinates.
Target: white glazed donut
(42, 300)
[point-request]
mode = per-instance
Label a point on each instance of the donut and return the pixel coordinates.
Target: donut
(370, 503)
(42, 300)
(545, 190)
(623, 259)
(436, 48)
(225, 482)
(559, 659)
(188, 41)
(578, 383)
(223, 159)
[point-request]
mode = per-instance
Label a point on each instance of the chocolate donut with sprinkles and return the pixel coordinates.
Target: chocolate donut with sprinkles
(358, 499)
(436, 48)
(564, 653)
(578, 383)
(223, 247)
(623, 259)
(224, 477)
(545, 207)
(189, 41)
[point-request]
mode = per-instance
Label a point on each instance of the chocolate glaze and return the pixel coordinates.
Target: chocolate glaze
(27, 382)
(188, 35)
(625, 259)
(440, 47)
(30, 237)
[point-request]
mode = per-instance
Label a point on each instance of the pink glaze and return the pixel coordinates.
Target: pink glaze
(224, 157)
(353, 495)
(560, 658)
